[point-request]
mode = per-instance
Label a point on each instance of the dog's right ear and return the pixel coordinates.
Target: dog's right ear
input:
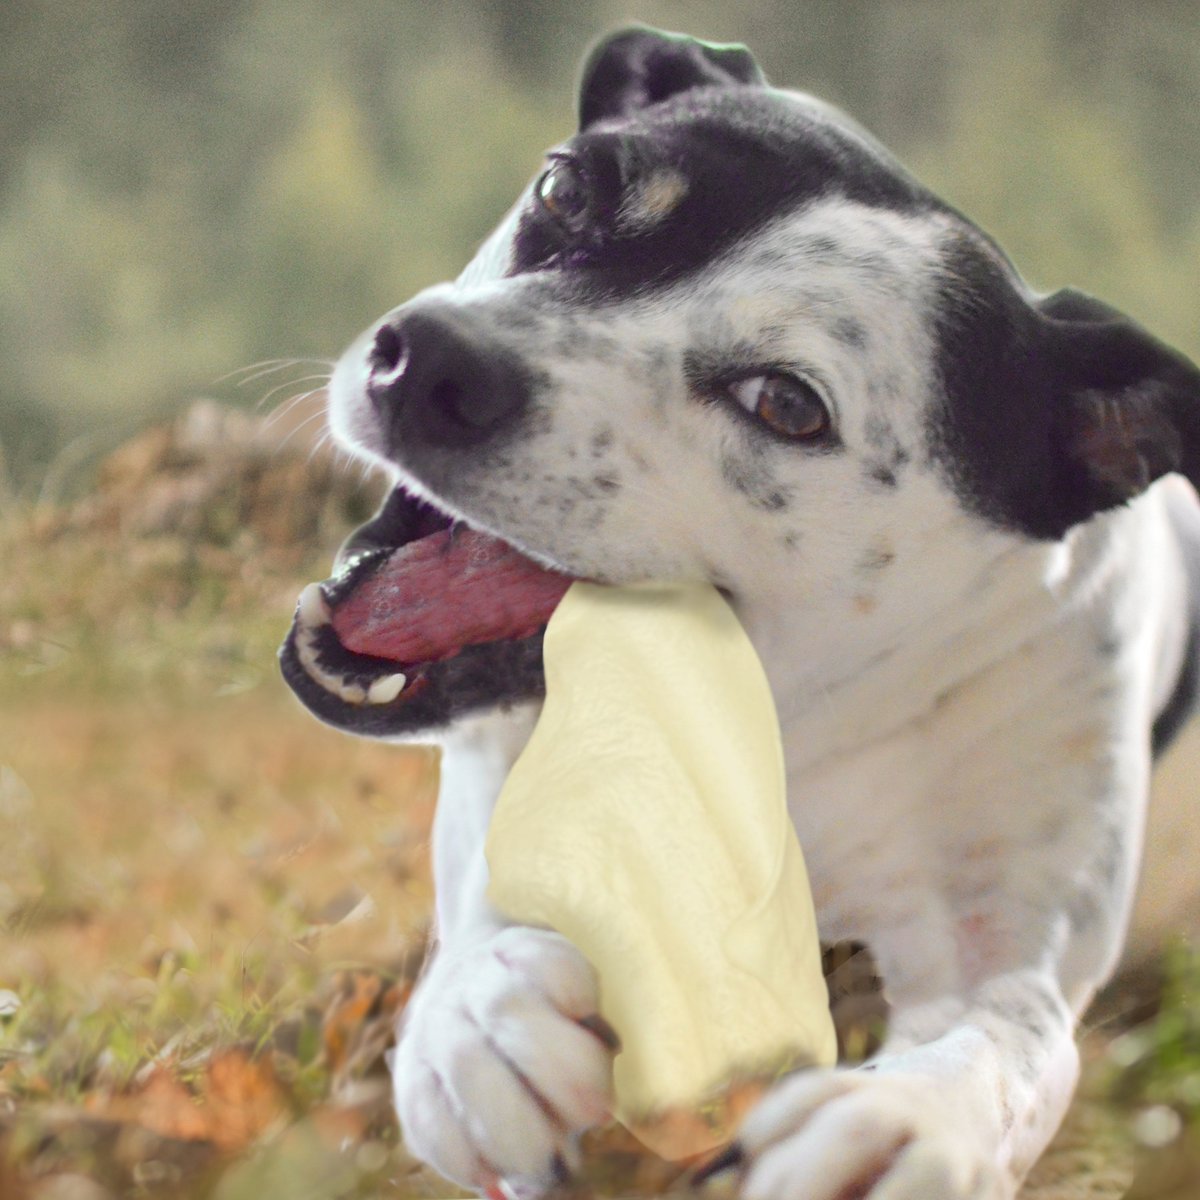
(640, 66)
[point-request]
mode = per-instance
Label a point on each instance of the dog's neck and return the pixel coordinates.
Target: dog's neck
(847, 668)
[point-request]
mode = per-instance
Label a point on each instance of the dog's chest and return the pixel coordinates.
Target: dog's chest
(960, 757)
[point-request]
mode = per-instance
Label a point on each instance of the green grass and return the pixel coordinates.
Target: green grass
(1157, 1064)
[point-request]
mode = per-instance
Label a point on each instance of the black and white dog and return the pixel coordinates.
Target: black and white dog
(725, 336)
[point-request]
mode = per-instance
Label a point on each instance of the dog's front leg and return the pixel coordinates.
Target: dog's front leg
(961, 1100)
(502, 1058)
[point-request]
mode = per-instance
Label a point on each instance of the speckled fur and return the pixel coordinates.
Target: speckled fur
(964, 707)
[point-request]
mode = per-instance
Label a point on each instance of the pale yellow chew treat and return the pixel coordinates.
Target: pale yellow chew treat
(646, 821)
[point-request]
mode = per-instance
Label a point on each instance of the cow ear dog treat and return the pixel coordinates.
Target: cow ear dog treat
(646, 821)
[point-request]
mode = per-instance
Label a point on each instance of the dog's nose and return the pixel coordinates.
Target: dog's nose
(435, 382)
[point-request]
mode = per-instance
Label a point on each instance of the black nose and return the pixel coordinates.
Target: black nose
(434, 381)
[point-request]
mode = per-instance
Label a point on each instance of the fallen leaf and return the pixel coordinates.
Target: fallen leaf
(161, 1104)
(242, 1098)
(359, 1023)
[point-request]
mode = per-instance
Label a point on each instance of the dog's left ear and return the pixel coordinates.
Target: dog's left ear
(641, 66)
(1128, 405)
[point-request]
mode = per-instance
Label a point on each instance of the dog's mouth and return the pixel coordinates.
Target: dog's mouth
(425, 619)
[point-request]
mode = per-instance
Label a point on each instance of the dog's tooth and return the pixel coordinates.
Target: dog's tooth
(386, 689)
(312, 607)
(313, 614)
(335, 683)
(306, 652)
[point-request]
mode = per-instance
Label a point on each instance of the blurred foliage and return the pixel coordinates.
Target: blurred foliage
(1156, 1067)
(189, 186)
(1153, 1073)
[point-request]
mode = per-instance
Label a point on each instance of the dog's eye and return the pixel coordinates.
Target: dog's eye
(565, 195)
(787, 405)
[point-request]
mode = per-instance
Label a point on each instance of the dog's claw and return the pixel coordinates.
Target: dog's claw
(559, 1170)
(732, 1156)
(603, 1030)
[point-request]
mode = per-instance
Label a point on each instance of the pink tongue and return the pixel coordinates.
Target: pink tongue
(436, 595)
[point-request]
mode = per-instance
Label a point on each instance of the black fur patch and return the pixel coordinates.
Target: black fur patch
(749, 155)
(1054, 411)
(744, 476)
(994, 428)
(640, 66)
(877, 559)
(849, 332)
(882, 474)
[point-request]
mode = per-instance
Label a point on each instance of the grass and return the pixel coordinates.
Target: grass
(211, 907)
(1153, 1076)
(195, 877)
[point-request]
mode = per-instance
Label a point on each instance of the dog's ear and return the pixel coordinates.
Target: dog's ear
(1053, 409)
(639, 66)
(1128, 406)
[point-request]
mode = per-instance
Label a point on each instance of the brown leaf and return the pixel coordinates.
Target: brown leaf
(161, 1104)
(242, 1097)
(360, 1020)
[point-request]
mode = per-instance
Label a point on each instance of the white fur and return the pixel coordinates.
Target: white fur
(966, 769)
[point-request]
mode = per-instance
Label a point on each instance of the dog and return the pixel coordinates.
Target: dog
(725, 336)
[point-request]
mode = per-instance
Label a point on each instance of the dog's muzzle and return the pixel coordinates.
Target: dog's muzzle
(427, 616)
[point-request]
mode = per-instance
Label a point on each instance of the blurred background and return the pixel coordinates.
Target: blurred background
(211, 907)
(191, 186)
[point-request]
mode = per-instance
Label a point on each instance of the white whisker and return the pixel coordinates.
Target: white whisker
(325, 438)
(291, 433)
(285, 406)
(257, 370)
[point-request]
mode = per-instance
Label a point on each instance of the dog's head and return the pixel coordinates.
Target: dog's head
(724, 336)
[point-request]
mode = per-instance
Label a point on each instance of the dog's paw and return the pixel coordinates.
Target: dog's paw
(503, 1060)
(828, 1135)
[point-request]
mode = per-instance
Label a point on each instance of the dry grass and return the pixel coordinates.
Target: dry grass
(190, 866)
